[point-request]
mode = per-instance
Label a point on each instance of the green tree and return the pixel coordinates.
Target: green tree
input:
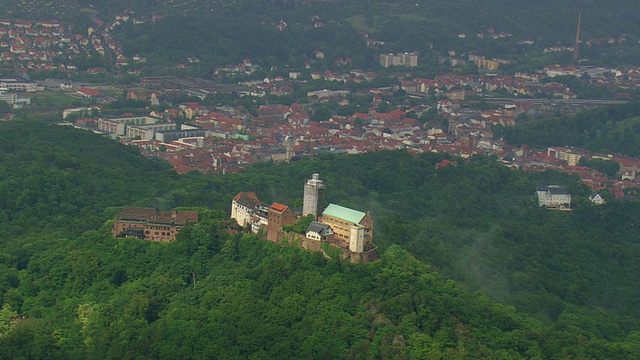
(303, 223)
(5, 108)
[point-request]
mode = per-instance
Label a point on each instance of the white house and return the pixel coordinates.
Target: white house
(553, 196)
(596, 198)
(318, 231)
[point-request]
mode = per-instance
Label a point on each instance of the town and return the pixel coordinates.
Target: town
(452, 113)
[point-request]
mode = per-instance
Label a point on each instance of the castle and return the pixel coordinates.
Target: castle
(349, 230)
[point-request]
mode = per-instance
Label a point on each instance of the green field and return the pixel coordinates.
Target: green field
(56, 99)
(360, 22)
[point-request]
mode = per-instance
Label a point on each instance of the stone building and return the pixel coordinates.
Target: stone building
(279, 216)
(151, 224)
(312, 203)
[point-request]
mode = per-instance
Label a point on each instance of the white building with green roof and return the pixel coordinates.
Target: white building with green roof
(353, 227)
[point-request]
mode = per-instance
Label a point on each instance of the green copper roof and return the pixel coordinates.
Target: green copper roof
(344, 213)
(241, 137)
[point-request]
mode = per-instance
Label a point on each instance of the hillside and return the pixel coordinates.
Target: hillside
(527, 283)
(287, 33)
(431, 28)
(61, 180)
(477, 222)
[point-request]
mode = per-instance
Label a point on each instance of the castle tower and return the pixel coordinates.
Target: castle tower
(313, 196)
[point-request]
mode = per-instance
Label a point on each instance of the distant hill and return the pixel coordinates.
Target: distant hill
(402, 26)
(224, 32)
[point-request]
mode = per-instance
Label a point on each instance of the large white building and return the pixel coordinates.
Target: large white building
(10, 84)
(243, 206)
(553, 196)
(118, 126)
(249, 211)
(406, 59)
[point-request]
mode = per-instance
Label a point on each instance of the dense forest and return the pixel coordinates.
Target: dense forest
(220, 42)
(470, 266)
(608, 129)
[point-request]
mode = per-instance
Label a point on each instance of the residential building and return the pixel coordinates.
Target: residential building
(118, 126)
(553, 196)
(406, 59)
(390, 59)
(319, 231)
(596, 198)
(10, 84)
(167, 136)
(260, 218)
(570, 157)
(410, 59)
(148, 132)
(486, 64)
(151, 224)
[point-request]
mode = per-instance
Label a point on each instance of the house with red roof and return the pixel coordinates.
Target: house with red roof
(87, 93)
(24, 24)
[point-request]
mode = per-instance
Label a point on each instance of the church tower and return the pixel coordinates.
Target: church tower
(313, 196)
(288, 144)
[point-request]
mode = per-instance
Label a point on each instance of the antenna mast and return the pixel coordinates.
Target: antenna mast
(576, 48)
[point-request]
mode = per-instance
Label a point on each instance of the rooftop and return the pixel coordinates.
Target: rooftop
(319, 228)
(341, 212)
(278, 207)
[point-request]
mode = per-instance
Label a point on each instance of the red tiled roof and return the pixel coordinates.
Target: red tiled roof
(89, 92)
(278, 207)
(248, 193)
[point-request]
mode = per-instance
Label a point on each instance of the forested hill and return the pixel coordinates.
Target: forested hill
(287, 33)
(216, 33)
(60, 179)
(609, 129)
(69, 290)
